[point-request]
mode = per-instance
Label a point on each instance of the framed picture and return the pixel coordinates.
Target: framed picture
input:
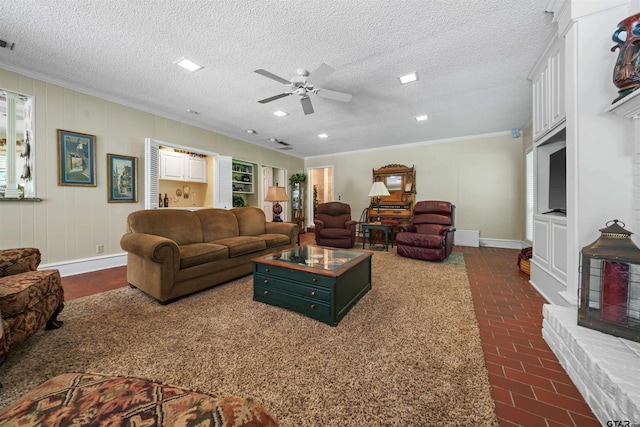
(122, 177)
(76, 159)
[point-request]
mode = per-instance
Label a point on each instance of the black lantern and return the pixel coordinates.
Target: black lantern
(610, 284)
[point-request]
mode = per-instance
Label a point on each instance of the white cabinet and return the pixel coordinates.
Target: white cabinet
(182, 167)
(548, 91)
(196, 169)
(171, 165)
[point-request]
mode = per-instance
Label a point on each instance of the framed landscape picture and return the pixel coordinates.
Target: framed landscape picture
(122, 176)
(76, 159)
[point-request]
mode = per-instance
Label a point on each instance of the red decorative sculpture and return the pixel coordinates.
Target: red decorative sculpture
(626, 73)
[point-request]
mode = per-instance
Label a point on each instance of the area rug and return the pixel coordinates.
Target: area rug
(407, 354)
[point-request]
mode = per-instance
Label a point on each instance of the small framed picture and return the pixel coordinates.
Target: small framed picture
(76, 159)
(122, 177)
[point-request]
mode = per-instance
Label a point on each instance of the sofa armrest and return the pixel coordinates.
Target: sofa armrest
(319, 225)
(154, 248)
(351, 224)
(446, 230)
(20, 260)
(407, 228)
(287, 228)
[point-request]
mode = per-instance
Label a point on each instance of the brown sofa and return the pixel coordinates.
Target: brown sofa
(172, 252)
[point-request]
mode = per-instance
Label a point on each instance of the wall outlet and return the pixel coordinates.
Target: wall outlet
(99, 248)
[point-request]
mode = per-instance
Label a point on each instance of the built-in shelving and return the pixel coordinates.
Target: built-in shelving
(242, 178)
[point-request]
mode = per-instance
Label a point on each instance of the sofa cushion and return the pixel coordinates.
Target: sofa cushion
(273, 240)
(183, 227)
(335, 233)
(242, 245)
(100, 400)
(19, 293)
(420, 240)
(15, 261)
(251, 221)
(201, 253)
(217, 224)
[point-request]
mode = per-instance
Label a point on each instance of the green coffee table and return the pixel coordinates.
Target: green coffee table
(319, 282)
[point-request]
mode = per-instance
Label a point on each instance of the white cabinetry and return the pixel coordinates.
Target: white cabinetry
(548, 90)
(182, 167)
(171, 165)
(196, 169)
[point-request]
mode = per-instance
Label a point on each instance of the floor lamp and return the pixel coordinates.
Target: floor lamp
(378, 190)
(276, 194)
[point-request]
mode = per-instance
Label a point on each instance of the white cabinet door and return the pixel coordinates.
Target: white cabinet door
(196, 169)
(171, 165)
(556, 112)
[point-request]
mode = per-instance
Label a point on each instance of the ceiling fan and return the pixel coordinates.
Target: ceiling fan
(304, 84)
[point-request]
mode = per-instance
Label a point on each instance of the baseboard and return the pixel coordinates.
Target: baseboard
(87, 265)
(502, 243)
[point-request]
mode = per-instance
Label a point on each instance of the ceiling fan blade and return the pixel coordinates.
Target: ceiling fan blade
(319, 74)
(332, 94)
(306, 105)
(273, 98)
(272, 76)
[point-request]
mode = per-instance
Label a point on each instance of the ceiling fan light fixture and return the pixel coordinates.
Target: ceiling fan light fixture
(408, 78)
(188, 65)
(422, 118)
(280, 113)
(323, 135)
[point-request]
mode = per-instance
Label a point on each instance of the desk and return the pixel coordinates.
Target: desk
(387, 228)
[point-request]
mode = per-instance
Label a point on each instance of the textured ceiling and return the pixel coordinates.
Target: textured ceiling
(472, 57)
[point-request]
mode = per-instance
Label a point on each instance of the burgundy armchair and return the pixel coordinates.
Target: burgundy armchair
(334, 226)
(430, 234)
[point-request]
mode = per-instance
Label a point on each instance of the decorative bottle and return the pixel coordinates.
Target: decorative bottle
(160, 202)
(166, 201)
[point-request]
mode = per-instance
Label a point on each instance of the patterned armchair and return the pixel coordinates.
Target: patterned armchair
(29, 299)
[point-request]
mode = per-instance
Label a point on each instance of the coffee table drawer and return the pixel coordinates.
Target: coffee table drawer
(315, 309)
(296, 288)
(297, 276)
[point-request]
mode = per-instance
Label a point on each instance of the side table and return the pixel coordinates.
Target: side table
(387, 228)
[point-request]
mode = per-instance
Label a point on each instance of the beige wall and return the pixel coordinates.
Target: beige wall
(483, 176)
(71, 221)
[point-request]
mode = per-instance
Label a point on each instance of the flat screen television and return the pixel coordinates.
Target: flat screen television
(558, 181)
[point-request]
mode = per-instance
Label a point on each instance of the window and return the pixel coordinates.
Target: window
(16, 146)
(529, 195)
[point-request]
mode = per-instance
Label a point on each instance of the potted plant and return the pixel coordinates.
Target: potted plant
(300, 176)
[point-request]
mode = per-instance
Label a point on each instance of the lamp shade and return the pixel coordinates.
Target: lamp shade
(276, 194)
(378, 189)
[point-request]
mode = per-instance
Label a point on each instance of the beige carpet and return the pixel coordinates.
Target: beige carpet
(408, 354)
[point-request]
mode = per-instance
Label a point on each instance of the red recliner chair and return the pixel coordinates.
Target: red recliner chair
(430, 235)
(334, 226)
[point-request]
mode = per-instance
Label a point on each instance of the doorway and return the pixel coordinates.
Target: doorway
(320, 187)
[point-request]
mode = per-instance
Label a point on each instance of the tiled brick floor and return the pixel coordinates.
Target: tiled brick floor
(529, 386)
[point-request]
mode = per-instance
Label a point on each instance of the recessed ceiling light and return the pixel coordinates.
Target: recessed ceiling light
(273, 139)
(323, 135)
(188, 65)
(280, 113)
(421, 118)
(192, 111)
(251, 131)
(408, 78)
